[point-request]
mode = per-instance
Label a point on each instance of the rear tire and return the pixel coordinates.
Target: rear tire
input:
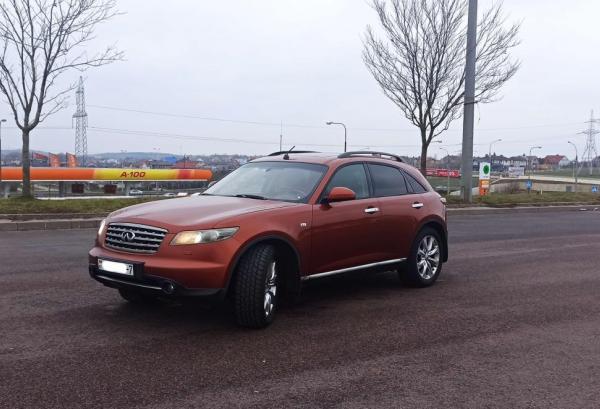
(424, 264)
(256, 287)
(137, 297)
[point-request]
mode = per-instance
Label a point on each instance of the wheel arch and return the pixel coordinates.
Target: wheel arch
(440, 227)
(282, 245)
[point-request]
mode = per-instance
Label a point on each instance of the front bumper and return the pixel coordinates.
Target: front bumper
(169, 274)
(151, 284)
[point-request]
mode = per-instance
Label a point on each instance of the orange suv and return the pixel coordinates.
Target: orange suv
(272, 224)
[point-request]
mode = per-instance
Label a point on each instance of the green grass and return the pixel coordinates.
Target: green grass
(36, 206)
(505, 199)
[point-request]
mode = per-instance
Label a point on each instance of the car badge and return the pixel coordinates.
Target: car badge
(128, 236)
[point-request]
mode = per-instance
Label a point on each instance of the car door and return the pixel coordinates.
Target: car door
(344, 234)
(398, 216)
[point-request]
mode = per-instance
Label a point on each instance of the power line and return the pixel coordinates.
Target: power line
(293, 125)
(122, 131)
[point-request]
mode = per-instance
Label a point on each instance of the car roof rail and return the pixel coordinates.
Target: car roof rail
(383, 155)
(284, 152)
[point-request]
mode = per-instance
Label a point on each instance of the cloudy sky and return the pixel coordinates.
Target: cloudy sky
(219, 77)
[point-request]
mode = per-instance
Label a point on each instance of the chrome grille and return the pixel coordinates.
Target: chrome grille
(134, 238)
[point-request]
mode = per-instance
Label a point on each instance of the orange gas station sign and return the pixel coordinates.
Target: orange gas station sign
(13, 174)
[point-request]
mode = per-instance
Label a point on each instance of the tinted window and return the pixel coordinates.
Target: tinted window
(415, 186)
(387, 181)
(353, 177)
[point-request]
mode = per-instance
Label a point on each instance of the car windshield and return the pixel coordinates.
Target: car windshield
(286, 181)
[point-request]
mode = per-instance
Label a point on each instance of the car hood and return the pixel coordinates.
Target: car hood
(200, 212)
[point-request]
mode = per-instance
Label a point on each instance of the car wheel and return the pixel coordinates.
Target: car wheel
(256, 295)
(136, 297)
(424, 264)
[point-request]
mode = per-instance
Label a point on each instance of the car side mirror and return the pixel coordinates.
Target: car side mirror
(340, 194)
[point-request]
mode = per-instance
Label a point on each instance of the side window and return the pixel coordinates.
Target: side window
(387, 181)
(415, 187)
(351, 176)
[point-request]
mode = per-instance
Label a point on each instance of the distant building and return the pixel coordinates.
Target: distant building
(187, 163)
(554, 162)
(159, 164)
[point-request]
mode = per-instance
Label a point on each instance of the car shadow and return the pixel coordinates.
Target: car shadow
(197, 315)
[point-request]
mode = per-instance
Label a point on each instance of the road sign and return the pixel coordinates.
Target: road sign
(529, 184)
(484, 170)
(594, 189)
(484, 178)
(516, 171)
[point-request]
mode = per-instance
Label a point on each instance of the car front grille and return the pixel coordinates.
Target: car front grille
(134, 238)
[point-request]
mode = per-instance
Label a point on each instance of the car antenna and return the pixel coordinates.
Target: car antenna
(287, 155)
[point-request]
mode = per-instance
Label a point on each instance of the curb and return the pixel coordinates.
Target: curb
(59, 224)
(457, 211)
(50, 216)
(90, 223)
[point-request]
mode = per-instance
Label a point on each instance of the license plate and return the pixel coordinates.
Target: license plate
(115, 267)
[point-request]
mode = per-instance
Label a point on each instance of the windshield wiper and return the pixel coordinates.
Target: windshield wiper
(250, 196)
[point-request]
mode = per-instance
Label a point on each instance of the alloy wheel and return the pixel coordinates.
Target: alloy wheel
(428, 257)
(270, 289)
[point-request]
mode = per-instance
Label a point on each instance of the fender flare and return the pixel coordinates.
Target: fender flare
(441, 226)
(257, 240)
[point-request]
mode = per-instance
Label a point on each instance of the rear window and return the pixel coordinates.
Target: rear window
(414, 185)
(387, 181)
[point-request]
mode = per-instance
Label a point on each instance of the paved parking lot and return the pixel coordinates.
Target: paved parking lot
(513, 322)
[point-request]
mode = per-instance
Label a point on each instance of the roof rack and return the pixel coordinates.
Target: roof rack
(371, 153)
(284, 152)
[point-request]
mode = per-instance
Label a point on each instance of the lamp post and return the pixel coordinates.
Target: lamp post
(575, 165)
(492, 162)
(345, 132)
(1, 122)
(447, 170)
(490, 153)
(531, 166)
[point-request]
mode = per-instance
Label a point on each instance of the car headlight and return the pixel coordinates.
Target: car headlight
(203, 236)
(102, 226)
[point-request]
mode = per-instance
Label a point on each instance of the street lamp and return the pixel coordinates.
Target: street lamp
(575, 165)
(531, 165)
(1, 122)
(447, 170)
(345, 132)
(491, 144)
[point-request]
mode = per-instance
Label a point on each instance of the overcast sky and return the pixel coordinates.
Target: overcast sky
(299, 61)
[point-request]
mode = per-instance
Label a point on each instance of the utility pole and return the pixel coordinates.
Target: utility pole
(469, 105)
(529, 184)
(80, 124)
(575, 165)
(1, 122)
(590, 153)
(281, 138)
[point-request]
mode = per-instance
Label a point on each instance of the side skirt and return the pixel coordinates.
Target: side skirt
(354, 268)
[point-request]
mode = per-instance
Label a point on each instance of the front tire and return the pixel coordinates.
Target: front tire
(256, 287)
(424, 264)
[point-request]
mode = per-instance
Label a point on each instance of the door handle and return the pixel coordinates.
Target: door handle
(417, 205)
(371, 210)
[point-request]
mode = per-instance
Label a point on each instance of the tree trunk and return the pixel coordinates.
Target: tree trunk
(424, 158)
(26, 162)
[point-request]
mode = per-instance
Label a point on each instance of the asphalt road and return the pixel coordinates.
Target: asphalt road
(514, 321)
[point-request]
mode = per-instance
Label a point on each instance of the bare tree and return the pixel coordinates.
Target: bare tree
(420, 62)
(41, 40)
